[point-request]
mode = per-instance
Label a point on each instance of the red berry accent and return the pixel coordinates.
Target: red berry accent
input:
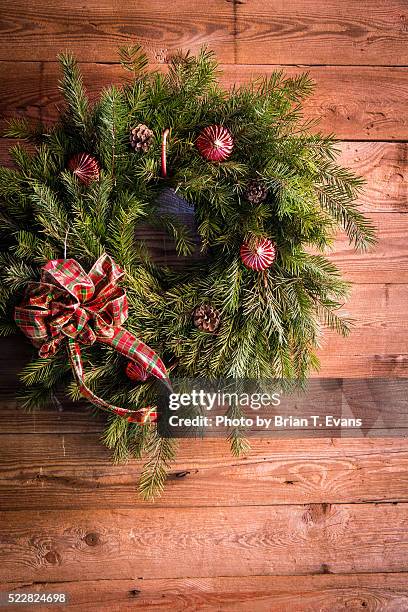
(136, 372)
(258, 256)
(215, 143)
(85, 167)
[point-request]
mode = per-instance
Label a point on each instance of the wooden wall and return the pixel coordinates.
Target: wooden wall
(298, 525)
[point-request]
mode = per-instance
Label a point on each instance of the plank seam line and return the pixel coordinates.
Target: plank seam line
(343, 455)
(160, 507)
(180, 508)
(96, 431)
(228, 576)
(294, 65)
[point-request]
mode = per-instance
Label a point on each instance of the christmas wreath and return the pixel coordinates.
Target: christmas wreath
(235, 175)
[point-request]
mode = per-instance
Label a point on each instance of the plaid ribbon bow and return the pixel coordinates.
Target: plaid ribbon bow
(70, 306)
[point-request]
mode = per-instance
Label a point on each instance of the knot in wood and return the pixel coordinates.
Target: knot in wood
(92, 539)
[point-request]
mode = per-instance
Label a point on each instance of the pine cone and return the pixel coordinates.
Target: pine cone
(141, 138)
(256, 192)
(206, 318)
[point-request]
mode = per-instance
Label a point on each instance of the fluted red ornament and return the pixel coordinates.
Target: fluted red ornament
(85, 167)
(215, 143)
(136, 372)
(259, 255)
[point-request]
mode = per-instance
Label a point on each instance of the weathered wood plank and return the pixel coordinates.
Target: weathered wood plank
(94, 30)
(383, 165)
(379, 315)
(376, 593)
(266, 32)
(208, 542)
(74, 472)
(360, 103)
(66, 418)
(5, 145)
(332, 32)
(387, 262)
(362, 366)
(16, 99)
(378, 305)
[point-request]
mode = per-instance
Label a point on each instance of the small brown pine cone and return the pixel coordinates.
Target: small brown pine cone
(141, 138)
(256, 192)
(206, 318)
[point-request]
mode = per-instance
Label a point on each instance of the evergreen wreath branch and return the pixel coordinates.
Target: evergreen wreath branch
(277, 184)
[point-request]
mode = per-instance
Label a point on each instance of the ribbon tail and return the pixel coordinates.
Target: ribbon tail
(128, 345)
(141, 416)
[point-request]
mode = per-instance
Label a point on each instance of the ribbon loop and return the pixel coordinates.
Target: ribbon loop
(68, 305)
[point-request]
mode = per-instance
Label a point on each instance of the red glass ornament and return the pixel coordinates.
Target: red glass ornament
(136, 372)
(258, 256)
(85, 167)
(215, 143)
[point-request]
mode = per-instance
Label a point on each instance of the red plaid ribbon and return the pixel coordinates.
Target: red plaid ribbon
(70, 306)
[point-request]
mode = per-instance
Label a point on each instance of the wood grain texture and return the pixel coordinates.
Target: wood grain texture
(94, 30)
(248, 541)
(65, 418)
(71, 471)
(383, 165)
(6, 144)
(325, 593)
(387, 262)
(330, 32)
(362, 366)
(356, 103)
(376, 311)
(255, 32)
